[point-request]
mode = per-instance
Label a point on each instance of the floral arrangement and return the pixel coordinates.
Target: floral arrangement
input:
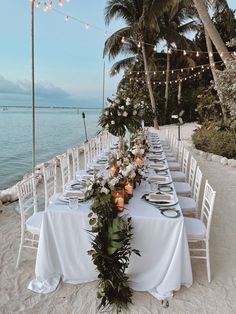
(121, 114)
(111, 244)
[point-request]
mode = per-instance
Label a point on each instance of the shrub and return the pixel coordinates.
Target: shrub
(213, 139)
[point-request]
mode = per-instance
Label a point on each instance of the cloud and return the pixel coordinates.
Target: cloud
(46, 92)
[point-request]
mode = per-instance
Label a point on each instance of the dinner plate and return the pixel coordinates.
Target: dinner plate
(161, 172)
(165, 188)
(170, 212)
(64, 199)
(77, 186)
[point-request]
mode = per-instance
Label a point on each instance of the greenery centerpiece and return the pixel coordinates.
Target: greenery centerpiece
(111, 242)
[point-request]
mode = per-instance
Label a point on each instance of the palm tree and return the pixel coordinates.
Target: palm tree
(202, 10)
(173, 26)
(141, 29)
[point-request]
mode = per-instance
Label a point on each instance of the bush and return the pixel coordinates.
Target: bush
(213, 139)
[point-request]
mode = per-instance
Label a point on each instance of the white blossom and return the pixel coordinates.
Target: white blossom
(104, 190)
(112, 122)
(125, 114)
(134, 112)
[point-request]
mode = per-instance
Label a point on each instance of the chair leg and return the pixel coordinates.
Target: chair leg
(20, 248)
(208, 262)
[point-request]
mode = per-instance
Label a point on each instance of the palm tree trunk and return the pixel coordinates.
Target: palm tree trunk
(210, 54)
(148, 80)
(167, 82)
(179, 91)
(213, 71)
(212, 31)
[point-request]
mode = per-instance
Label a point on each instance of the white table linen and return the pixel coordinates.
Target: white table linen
(164, 264)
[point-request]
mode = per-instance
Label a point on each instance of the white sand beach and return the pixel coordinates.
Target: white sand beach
(219, 296)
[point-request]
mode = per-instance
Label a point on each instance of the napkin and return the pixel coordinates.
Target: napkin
(78, 194)
(157, 178)
(160, 198)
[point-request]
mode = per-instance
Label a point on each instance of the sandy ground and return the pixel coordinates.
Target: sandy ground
(217, 297)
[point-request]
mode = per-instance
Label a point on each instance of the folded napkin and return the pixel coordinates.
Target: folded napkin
(160, 198)
(78, 194)
(158, 178)
(158, 166)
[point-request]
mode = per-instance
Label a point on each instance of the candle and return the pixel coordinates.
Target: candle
(112, 170)
(120, 203)
(138, 161)
(129, 188)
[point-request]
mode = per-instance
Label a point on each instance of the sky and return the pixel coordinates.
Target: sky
(68, 57)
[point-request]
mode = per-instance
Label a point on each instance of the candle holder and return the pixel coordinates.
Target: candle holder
(129, 187)
(118, 195)
(138, 160)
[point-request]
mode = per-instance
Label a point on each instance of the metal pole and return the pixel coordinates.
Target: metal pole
(179, 139)
(103, 85)
(33, 89)
(85, 130)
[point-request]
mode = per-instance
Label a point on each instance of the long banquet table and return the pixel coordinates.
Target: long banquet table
(164, 264)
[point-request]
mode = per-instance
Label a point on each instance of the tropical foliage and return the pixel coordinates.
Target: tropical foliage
(111, 244)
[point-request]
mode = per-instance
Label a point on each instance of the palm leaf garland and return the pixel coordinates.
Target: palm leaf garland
(111, 246)
(122, 114)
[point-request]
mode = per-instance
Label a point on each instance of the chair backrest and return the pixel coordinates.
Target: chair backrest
(197, 185)
(192, 171)
(75, 162)
(208, 206)
(185, 161)
(50, 180)
(87, 155)
(69, 163)
(26, 190)
(180, 153)
(64, 170)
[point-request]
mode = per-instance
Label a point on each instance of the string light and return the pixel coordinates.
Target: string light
(123, 39)
(49, 5)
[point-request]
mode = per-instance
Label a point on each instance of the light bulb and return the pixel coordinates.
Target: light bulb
(60, 4)
(184, 52)
(197, 54)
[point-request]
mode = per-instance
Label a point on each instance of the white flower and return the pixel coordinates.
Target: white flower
(89, 188)
(135, 106)
(104, 190)
(118, 113)
(113, 181)
(134, 112)
(122, 107)
(125, 114)
(106, 113)
(112, 122)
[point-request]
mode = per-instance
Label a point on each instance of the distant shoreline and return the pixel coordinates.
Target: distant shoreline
(51, 107)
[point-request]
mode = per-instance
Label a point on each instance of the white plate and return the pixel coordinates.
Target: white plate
(63, 199)
(165, 188)
(170, 213)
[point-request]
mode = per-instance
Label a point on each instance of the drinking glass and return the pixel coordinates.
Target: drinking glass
(73, 203)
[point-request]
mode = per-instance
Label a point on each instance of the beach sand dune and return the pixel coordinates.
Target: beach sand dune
(217, 297)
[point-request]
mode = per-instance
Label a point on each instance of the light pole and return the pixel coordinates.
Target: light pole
(33, 89)
(46, 7)
(85, 130)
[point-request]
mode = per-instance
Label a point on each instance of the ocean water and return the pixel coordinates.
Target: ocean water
(56, 130)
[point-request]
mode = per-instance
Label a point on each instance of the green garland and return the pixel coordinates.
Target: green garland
(111, 246)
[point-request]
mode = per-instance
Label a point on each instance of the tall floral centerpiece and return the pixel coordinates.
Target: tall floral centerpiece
(120, 115)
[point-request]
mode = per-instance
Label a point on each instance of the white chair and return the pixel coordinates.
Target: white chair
(50, 180)
(75, 162)
(190, 205)
(181, 176)
(198, 230)
(31, 219)
(176, 166)
(185, 188)
(64, 165)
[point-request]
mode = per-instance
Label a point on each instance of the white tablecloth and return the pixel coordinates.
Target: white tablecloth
(163, 267)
